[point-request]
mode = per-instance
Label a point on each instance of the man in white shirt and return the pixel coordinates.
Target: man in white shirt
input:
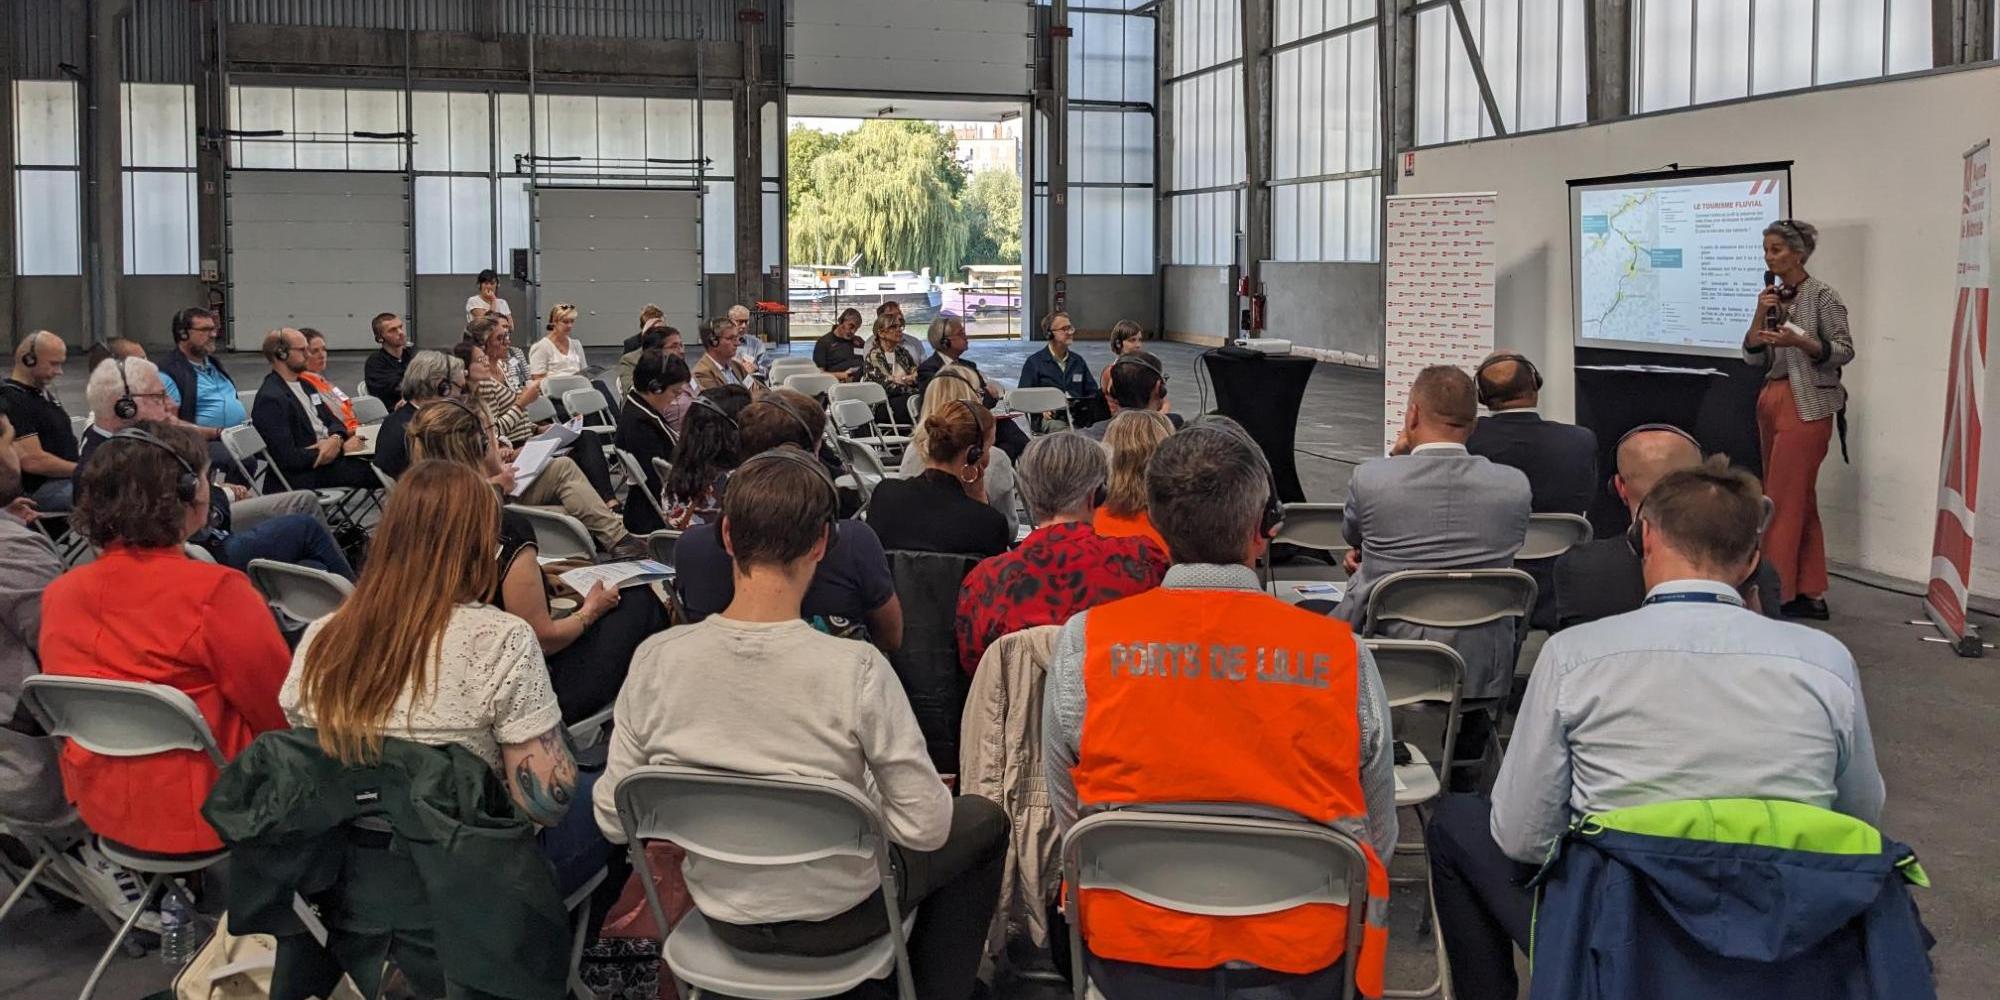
(755, 690)
(1692, 696)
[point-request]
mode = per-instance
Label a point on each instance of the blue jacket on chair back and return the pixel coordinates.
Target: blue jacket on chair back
(1729, 898)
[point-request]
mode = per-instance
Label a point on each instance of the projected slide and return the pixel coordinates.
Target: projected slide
(1671, 266)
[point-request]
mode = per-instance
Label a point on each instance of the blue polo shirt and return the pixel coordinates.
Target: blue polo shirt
(215, 402)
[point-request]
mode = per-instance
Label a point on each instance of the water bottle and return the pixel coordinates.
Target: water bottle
(178, 933)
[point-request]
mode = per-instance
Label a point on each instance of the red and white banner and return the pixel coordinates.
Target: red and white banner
(1440, 266)
(1964, 408)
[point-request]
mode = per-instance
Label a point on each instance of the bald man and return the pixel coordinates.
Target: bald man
(1603, 578)
(1560, 460)
(44, 440)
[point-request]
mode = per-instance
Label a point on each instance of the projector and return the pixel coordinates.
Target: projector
(1265, 345)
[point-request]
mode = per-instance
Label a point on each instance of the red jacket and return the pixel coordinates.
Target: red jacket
(154, 615)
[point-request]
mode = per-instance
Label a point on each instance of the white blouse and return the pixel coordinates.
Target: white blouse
(488, 687)
(498, 307)
(545, 358)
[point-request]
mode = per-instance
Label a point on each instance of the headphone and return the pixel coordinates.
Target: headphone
(1135, 358)
(709, 404)
(797, 457)
(125, 407)
(187, 483)
(1513, 388)
(984, 422)
(1611, 481)
(798, 418)
(29, 360)
(1273, 515)
(181, 323)
(477, 436)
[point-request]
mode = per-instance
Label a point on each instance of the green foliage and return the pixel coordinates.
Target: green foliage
(993, 214)
(894, 192)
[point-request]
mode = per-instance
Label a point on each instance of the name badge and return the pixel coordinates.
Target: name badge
(1076, 377)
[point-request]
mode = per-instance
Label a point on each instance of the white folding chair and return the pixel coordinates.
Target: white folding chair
(1551, 535)
(79, 423)
(1039, 399)
(635, 474)
(248, 399)
(368, 410)
(587, 402)
(764, 822)
(558, 535)
(245, 446)
(876, 397)
(1193, 862)
(541, 410)
(662, 545)
(1420, 672)
(1453, 599)
(1315, 526)
(865, 470)
(810, 383)
(558, 386)
(855, 418)
(300, 593)
(784, 368)
(125, 719)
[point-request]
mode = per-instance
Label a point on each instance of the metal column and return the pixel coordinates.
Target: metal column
(104, 167)
(1255, 211)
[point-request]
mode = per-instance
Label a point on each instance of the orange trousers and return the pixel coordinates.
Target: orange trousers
(1793, 450)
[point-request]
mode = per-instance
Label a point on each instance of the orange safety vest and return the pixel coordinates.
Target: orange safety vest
(1139, 525)
(1226, 696)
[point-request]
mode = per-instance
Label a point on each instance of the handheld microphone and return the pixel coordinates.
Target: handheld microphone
(1770, 313)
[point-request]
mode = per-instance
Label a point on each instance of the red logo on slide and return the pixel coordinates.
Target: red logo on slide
(1767, 186)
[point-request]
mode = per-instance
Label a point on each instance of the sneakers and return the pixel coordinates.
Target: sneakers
(113, 887)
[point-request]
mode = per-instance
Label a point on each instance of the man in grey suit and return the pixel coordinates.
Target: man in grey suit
(1433, 505)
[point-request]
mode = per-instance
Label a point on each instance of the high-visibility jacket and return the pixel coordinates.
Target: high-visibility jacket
(1138, 525)
(1226, 697)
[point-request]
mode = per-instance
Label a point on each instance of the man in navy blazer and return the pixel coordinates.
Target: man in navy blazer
(297, 435)
(1433, 505)
(1560, 460)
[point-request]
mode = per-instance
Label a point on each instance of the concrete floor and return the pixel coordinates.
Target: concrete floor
(1932, 715)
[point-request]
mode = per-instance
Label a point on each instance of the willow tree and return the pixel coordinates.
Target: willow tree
(887, 191)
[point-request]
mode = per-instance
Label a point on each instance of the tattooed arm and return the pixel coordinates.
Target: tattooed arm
(541, 776)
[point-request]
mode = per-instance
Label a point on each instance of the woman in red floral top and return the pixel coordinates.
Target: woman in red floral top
(1064, 566)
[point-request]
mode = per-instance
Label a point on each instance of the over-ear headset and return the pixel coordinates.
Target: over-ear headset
(1513, 388)
(187, 483)
(180, 327)
(706, 403)
(1611, 481)
(1136, 358)
(796, 457)
(1273, 515)
(984, 422)
(798, 418)
(125, 407)
(29, 360)
(477, 435)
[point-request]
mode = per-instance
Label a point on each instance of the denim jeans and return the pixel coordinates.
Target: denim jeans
(299, 539)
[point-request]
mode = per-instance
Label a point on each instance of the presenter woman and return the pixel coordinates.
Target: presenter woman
(1799, 336)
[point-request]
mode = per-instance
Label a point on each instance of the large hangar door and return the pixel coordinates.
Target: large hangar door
(925, 47)
(610, 251)
(324, 249)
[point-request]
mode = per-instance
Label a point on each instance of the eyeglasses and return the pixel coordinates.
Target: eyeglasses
(161, 396)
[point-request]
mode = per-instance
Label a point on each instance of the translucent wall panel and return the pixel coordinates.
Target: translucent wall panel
(1697, 51)
(1208, 33)
(1292, 20)
(160, 222)
(1111, 230)
(1111, 58)
(1534, 58)
(1110, 147)
(618, 128)
(718, 220)
(45, 123)
(1324, 220)
(158, 124)
(454, 132)
(47, 231)
(1204, 228)
(318, 126)
(454, 225)
(1324, 102)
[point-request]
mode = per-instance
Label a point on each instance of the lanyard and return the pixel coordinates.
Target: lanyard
(1692, 597)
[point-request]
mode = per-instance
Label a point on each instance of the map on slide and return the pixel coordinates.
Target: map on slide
(1674, 267)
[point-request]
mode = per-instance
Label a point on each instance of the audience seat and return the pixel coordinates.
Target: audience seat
(1420, 675)
(759, 821)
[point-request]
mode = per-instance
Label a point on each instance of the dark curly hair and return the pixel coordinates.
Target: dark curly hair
(126, 493)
